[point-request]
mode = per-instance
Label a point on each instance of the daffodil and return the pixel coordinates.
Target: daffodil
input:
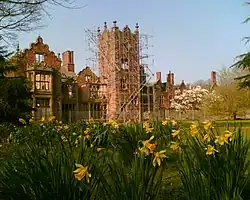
(210, 150)
(87, 131)
(207, 125)
(228, 135)
(159, 156)
(147, 146)
(77, 142)
(164, 123)
(51, 118)
(79, 137)
(174, 146)
(31, 120)
(193, 130)
(221, 140)
(64, 139)
(147, 127)
(173, 122)
(91, 120)
(42, 119)
(99, 149)
(87, 134)
(66, 127)
(81, 172)
(113, 124)
(22, 121)
(175, 133)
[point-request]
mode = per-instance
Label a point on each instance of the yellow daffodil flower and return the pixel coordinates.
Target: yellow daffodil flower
(175, 133)
(148, 147)
(22, 121)
(77, 142)
(66, 127)
(174, 146)
(64, 139)
(193, 130)
(228, 135)
(159, 156)
(147, 127)
(164, 123)
(31, 120)
(42, 119)
(51, 118)
(91, 120)
(207, 125)
(87, 131)
(81, 172)
(173, 122)
(113, 124)
(99, 149)
(210, 150)
(221, 140)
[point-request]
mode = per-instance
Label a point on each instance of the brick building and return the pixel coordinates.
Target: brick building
(120, 92)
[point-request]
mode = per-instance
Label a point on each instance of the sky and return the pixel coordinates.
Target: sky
(188, 37)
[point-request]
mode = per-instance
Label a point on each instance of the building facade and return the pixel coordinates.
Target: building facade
(120, 92)
(119, 66)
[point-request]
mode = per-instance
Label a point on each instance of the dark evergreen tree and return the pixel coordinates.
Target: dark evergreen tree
(15, 96)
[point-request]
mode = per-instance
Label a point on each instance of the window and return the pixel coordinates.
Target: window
(161, 100)
(124, 63)
(42, 102)
(87, 78)
(123, 84)
(39, 58)
(42, 81)
(94, 91)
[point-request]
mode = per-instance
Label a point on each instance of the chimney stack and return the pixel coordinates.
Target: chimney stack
(213, 80)
(158, 76)
(172, 79)
(168, 80)
(68, 61)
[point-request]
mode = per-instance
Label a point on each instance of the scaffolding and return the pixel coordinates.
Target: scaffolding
(126, 55)
(91, 50)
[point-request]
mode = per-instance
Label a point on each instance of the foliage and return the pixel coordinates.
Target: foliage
(189, 99)
(51, 160)
(227, 100)
(221, 172)
(25, 15)
(14, 93)
(51, 149)
(243, 63)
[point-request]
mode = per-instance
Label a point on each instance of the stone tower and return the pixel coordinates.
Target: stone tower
(119, 67)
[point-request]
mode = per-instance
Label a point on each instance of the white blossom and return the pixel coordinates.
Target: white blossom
(189, 99)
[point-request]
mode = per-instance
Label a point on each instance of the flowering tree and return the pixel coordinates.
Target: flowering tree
(189, 99)
(227, 100)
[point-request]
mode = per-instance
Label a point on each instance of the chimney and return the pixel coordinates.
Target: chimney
(172, 79)
(182, 86)
(158, 76)
(68, 61)
(213, 80)
(168, 79)
(115, 27)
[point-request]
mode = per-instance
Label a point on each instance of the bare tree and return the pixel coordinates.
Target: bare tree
(26, 15)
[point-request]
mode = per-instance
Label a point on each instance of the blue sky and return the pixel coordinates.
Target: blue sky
(190, 37)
